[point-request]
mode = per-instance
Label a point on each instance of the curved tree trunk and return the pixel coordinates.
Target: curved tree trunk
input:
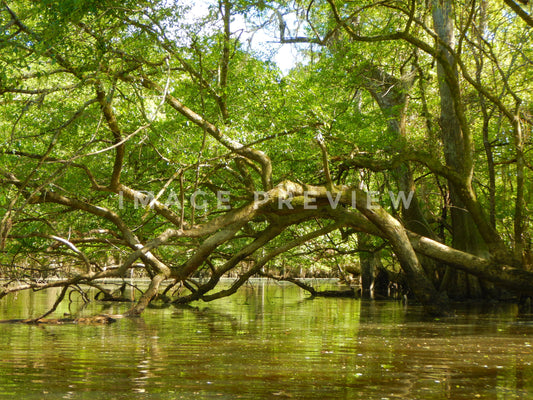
(434, 303)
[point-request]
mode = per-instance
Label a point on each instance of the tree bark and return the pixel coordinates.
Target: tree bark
(458, 153)
(391, 94)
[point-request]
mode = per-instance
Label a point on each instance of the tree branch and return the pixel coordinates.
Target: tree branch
(520, 12)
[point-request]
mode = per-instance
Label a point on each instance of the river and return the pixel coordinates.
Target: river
(268, 341)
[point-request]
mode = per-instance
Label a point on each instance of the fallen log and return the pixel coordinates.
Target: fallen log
(350, 293)
(93, 320)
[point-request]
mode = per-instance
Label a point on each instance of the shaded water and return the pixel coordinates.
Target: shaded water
(268, 342)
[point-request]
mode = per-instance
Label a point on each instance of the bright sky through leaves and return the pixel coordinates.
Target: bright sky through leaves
(265, 42)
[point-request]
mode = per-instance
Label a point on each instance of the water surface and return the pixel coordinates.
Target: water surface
(267, 342)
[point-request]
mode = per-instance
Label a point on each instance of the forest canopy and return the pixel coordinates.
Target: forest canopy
(147, 138)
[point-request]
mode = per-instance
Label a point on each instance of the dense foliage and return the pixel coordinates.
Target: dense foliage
(150, 138)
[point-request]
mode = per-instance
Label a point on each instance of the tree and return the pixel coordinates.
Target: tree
(133, 139)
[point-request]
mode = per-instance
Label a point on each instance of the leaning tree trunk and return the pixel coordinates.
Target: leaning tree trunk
(434, 303)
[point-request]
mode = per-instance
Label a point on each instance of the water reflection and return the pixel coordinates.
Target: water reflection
(268, 341)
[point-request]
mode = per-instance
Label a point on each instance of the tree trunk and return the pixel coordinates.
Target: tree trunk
(367, 277)
(434, 302)
(458, 155)
(390, 94)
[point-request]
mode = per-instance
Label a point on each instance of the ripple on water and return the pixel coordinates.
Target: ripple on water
(271, 343)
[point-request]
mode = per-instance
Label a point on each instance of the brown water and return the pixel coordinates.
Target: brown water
(268, 342)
